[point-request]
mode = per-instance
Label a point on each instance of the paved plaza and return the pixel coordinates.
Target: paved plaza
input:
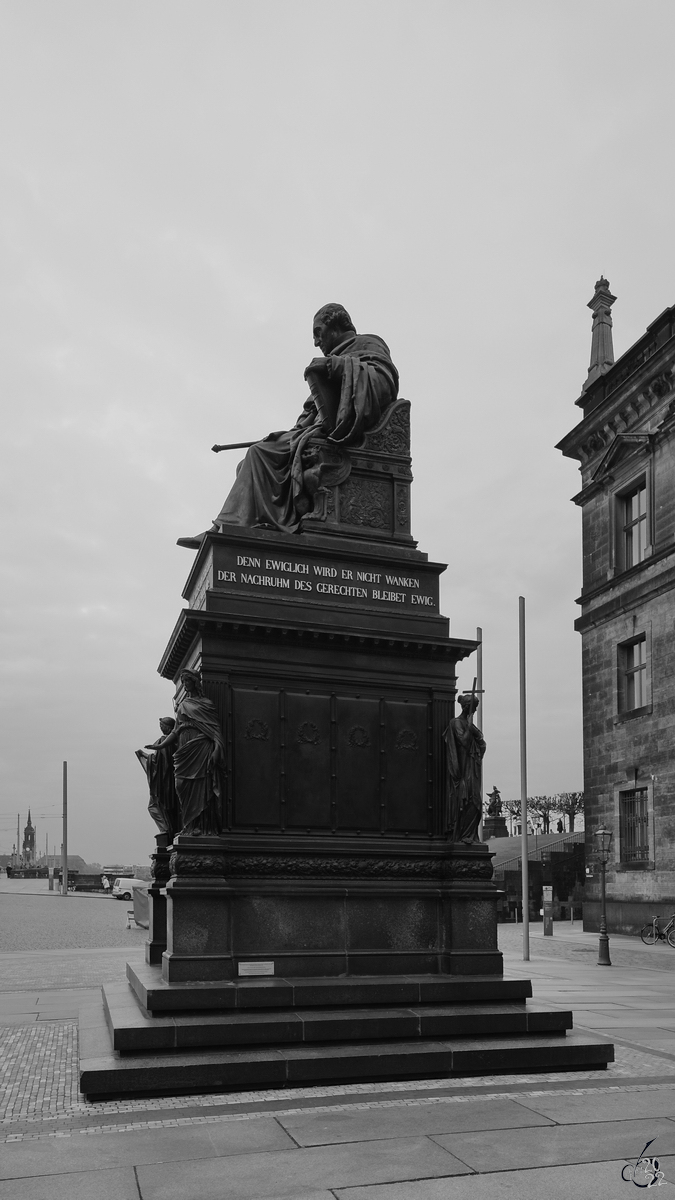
(529, 1136)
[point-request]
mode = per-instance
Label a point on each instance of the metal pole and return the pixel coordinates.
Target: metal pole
(479, 714)
(525, 875)
(18, 835)
(603, 944)
(64, 846)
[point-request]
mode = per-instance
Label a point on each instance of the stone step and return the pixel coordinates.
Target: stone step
(133, 1029)
(160, 997)
(105, 1074)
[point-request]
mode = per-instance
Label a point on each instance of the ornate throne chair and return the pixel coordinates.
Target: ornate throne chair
(364, 491)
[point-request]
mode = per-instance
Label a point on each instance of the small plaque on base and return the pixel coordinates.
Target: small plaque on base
(255, 968)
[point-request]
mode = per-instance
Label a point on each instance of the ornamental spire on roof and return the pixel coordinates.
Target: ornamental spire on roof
(602, 348)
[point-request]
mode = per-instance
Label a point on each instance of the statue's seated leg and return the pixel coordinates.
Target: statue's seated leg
(261, 493)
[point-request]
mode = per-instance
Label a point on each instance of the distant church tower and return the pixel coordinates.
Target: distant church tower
(29, 842)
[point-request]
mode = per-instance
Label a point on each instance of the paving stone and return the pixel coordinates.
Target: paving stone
(617, 1106)
(311, 1129)
(153, 1145)
(259, 1176)
(558, 1144)
(117, 1184)
(590, 1181)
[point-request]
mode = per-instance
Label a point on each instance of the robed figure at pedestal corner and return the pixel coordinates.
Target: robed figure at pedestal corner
(465, 749)
(198, 759)
(157, 762)
(351, 386)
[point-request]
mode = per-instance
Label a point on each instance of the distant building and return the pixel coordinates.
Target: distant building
(28, 848)
(625, 444)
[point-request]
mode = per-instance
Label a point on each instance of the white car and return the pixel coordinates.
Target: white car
(122, 888)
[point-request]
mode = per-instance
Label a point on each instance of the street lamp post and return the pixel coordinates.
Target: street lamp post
(603, 839)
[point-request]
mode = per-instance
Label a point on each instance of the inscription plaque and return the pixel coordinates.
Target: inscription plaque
(303, 577)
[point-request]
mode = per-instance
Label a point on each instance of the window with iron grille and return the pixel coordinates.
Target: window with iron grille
(634, 826)
(634, 525)
(633, 674)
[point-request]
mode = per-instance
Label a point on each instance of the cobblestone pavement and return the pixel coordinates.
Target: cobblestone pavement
(50, 921)
(69, 969)
(38, 1061)
(40, 1097)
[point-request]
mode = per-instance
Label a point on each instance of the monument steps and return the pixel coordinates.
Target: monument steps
(134, 1029)
(159, 996)
(105, 1074)
(266, 1033)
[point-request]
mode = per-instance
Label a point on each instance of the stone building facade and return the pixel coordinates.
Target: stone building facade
(625, 445)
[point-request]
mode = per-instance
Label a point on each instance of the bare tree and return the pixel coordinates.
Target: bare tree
(571, 804)
(543, 806)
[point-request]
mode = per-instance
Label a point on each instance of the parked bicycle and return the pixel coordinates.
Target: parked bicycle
(651, 934)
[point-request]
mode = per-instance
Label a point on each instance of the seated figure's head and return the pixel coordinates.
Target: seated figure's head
(331, 325)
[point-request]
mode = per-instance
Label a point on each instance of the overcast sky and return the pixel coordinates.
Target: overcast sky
(183, 185)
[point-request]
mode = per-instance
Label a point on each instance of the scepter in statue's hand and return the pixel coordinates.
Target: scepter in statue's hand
(271, 437)
(473, 697)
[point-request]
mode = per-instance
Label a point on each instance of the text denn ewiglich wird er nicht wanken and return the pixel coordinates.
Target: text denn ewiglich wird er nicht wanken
(351, 581)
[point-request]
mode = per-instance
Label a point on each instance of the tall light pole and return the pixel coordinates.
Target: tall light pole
(479, 714)
(64, 846)
(525, 874)
(603, 840)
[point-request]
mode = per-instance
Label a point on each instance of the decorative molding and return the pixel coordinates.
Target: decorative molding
(369, 868)
(366, 502)
(351, 867)
(257, 731)
(622, 443)
(160, 867)
(474, 868)
(393, 435)
(406, 739)
(359, 737)
(628, 414)
(308, 734)
(402, 507)
(185, 863)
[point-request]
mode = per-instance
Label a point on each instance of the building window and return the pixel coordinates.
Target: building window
(634, 826)
(633, 675)
(634, 525)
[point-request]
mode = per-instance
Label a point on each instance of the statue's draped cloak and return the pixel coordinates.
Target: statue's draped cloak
(268, 489)
(465, 750)
(198, 762)
(163, 806)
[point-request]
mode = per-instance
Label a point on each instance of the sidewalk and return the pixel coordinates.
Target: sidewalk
(523, 1136)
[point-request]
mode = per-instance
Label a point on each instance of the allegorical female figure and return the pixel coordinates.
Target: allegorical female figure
(465, 750)
(157, 762)
(198, 759)
(351, 387)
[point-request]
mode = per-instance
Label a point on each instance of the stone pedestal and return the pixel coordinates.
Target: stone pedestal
(156, 943)
(494, 827)
(333, 676)
(303, 908)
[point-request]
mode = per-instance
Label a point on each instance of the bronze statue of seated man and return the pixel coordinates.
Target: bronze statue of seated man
(351, 386)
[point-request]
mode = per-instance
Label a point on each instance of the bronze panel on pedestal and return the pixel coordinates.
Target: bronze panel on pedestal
(358, 762)
(307, 760)
(256, 757)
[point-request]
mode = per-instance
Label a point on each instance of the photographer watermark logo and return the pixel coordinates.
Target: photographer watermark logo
(644, 1172)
